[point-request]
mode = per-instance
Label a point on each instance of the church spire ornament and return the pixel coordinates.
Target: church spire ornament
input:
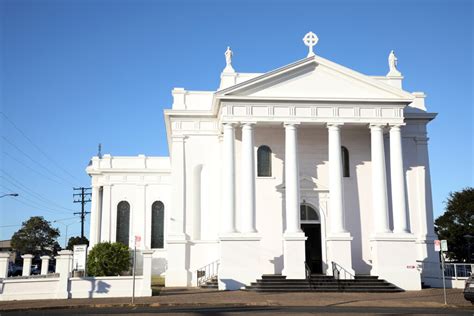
(392, 65)
(310, 40)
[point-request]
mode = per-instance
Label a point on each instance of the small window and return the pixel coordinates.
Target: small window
(264, 161)
(345, 162)
(157, 224)
(123, 223)
(307, 213)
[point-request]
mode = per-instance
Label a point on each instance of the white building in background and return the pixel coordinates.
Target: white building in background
(312, 162)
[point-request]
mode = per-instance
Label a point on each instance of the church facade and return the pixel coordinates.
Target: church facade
(309, 168)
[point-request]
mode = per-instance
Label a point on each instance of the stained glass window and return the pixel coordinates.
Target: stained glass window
(123, 223)
(264, 161)
(157, 224)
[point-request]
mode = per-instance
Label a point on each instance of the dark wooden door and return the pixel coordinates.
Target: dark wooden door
(314, 258)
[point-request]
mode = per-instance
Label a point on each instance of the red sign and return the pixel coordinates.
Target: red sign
(437, 245)
(137, 240)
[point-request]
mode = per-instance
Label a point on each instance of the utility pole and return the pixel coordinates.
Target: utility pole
(83, 198)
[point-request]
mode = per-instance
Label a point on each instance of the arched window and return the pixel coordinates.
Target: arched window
(345, 162)
(264, 161)
(307, 213)
(157, 224)
(123, 223)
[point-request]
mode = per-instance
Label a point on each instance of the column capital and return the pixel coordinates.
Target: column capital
(396, 126)
(248, 124)
(377, 126)
(229, 124)
(178, 138)
(291, 124)
(334, 125)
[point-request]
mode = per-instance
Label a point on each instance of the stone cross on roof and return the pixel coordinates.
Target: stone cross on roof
(310, 40)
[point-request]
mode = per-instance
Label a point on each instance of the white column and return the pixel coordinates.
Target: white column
(400, 223)
(178, 188)
(379, 181)
(292, 189)
(94, 231)
(335, 179)
(248, 180)
(106, 223)
(228, 180)
(197, 179)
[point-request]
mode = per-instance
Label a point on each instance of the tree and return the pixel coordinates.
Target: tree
(108, 259)
(77, 241)
(36, 237)
(457, 224)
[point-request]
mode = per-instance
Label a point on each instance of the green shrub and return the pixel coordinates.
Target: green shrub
(108, 259)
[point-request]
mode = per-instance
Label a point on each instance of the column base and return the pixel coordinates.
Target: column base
(294, 255)
(394, 260)
(240, 260)
(339, 251)
(178, 273)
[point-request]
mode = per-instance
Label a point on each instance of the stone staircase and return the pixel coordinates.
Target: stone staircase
(210, 284)
(321, 283)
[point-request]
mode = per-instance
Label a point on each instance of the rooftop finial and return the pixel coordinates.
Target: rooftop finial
(310, 40)
(392, 65)
(99, 153)
(228, 60)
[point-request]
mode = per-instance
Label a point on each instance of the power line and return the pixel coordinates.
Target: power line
(51, 221)
(39, 148)
(33, 204)
(36, 162)
(32, 169)
(31, 192)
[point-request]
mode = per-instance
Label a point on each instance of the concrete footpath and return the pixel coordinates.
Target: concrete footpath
(186, 297)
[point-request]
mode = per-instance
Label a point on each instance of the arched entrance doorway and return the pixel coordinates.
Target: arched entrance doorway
(311, 226)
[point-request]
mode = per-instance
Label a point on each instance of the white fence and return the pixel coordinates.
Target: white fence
(455, 274)
(62, 285)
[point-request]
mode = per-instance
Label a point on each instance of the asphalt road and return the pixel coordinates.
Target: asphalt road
(228, 311)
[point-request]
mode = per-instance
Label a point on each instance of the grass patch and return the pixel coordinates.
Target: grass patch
(157, 283)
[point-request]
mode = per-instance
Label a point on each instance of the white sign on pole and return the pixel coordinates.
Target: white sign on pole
(437, 245)
(138, 239)
(444, 245)
(79, 257)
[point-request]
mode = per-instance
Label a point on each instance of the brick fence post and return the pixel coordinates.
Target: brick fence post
(147, 258)
(4, 256)
(44, 264)
(27, 264)
(64, 268)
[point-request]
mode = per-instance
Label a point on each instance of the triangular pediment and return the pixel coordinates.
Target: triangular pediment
(316, 78)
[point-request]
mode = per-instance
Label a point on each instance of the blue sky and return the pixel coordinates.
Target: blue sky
(78, 73)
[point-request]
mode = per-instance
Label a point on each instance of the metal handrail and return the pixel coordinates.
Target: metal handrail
(207, 272)
(308, 270)
(337, 270)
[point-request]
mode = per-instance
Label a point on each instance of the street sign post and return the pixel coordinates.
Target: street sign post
(444, 247)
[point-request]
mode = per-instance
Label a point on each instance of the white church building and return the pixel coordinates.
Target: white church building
(294, 170)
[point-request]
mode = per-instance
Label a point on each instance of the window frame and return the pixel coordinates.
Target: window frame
(152, 240)
(268, 152)
(118, 222)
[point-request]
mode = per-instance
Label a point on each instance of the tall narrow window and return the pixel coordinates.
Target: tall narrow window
(264, 161)
(345, 162)
(123, 223)
(157, 224)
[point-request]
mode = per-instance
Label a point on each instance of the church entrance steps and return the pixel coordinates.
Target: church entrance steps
(210, 284)
(321, 283)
